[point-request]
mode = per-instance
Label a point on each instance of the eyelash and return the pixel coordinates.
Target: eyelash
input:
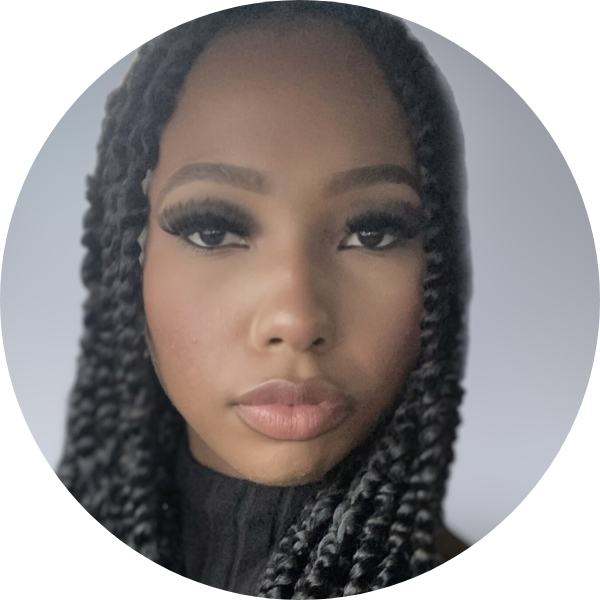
(187, 222)
(383, 224)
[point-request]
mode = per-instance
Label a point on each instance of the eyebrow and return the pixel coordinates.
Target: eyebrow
(373, 175)
(242, 177)
(255, 181)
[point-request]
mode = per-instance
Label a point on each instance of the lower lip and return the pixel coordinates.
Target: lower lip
(297, 422)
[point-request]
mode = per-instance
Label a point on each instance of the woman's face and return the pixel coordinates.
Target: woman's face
(283, 266)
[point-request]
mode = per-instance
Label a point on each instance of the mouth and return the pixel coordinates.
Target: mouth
(284, 410)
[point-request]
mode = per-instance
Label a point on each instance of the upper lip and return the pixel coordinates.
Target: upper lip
(284, 391)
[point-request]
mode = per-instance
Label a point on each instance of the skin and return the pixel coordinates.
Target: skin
(299, 107)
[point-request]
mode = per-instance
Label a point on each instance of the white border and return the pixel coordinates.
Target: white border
(51, 51)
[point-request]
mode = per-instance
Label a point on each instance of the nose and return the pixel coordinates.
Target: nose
(293, 311)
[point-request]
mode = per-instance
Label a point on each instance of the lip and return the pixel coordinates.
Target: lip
(284, 410)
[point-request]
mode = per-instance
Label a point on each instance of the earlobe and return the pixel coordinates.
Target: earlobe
(142, 242)
(144, 234)
(147, 181)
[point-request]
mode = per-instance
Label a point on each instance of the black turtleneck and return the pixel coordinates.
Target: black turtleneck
(231, 526)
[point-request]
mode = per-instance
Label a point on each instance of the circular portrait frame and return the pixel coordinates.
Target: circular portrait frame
(68, 546)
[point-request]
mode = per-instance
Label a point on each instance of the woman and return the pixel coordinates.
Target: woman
(274, 335)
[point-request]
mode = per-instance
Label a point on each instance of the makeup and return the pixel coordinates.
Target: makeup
(384, 226)
(208, 223)
(212, 223)
(278, 220)
(284, 410)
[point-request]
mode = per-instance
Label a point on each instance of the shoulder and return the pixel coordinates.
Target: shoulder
(447, 545)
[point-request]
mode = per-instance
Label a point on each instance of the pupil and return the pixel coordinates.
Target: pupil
(371, 239)
(212, 237)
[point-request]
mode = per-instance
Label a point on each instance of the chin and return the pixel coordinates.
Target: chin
(287, 471)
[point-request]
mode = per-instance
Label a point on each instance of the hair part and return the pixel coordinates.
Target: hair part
(374, 522)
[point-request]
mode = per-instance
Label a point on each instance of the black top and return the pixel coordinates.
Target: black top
(231, 526)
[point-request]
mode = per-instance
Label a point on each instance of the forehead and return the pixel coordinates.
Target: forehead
(274, 96)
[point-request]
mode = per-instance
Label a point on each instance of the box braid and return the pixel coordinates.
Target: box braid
(374, 521)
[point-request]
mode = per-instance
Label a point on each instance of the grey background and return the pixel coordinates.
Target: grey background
(533, 317)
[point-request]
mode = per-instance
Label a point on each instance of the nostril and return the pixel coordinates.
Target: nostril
(278, 341)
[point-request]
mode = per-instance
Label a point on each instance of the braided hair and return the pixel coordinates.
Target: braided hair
(374, 522)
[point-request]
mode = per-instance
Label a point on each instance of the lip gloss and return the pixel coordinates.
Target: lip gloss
(283, 410)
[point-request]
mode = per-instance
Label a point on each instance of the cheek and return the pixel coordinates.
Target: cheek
(389, 346)
(398, 323)
(189, 321)
(384, 340)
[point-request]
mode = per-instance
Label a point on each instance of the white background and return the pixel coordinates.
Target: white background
(52, 52)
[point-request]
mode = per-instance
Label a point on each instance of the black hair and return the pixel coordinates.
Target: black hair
(374, 522)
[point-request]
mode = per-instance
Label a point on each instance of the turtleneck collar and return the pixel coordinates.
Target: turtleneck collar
(231, 526)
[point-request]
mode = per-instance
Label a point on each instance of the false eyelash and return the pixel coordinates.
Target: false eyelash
(190, 217)
(406, 224)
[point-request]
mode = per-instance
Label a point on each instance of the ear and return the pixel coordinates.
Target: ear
(146, 182)
(142, 237)
(142, 242)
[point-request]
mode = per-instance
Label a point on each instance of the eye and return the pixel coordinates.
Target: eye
(213, 237)
(383, 228)
(209, 224)
(372, 240)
